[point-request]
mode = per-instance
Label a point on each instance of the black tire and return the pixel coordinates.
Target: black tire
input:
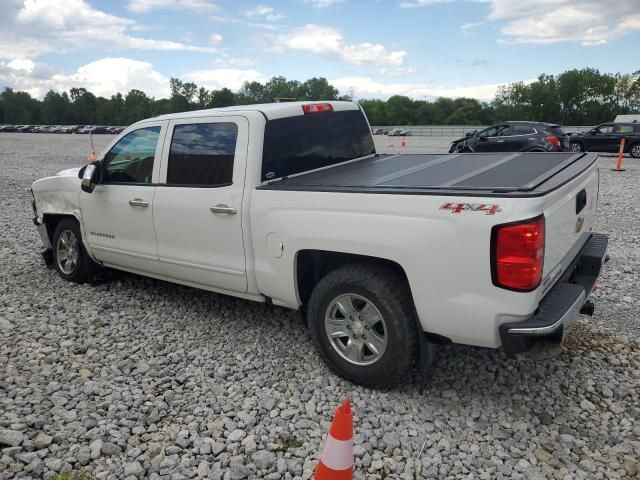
(576, 147)
(84, 268)
(390, 295)
(634, 150)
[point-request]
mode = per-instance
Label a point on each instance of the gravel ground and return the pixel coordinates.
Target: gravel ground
(138, 378)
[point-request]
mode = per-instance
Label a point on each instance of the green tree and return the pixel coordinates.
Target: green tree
(222, 98)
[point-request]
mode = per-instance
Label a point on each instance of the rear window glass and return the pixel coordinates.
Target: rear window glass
(202, 154)
(623, 129)
(557, 131)
(306, 142)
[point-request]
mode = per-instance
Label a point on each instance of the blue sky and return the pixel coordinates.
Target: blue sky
(420, 48)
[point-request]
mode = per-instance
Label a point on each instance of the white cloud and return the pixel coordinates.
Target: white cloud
(24, 64)
(215, 39)
(422, 3)
(328, 42)
(227, 19)
(217, 78)
(323, 3)
(397, 71)
(588, 22)
(198, 6)
(103, 77)
(40, 26)
(368, 87)
(264, 12)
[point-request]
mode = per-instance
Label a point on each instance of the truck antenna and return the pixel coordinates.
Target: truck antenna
(92, 157)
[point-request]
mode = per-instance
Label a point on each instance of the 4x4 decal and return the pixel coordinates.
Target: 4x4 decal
(489, 209)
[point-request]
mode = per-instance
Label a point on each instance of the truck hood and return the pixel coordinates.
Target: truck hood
(68, 172)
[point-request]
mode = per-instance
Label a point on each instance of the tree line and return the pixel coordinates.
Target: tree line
(575, 97)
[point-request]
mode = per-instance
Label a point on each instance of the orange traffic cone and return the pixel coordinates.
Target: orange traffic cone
(403, 143)
(336, 461)
(618, 167)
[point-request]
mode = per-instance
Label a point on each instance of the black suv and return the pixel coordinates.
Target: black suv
(514, 137)
(606, 138)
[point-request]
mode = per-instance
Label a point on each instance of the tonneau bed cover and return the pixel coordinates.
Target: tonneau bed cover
(474, 174)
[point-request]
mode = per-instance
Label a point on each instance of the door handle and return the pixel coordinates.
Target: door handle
(138, 202)
(499, 141)
(224, 209)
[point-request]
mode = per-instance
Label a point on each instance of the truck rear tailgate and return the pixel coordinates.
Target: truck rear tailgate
(569, 216)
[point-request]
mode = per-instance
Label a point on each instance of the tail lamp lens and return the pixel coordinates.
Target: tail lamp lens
(317, 108)
(518, 255)
(553, 140)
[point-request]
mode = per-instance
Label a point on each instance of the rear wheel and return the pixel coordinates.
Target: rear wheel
(576, 147)
(635, 150)
(69, 256)
(363, 321)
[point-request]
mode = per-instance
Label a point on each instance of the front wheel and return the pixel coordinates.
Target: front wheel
(635, 150)
(576, 147)
(363, 322)
(69, 256)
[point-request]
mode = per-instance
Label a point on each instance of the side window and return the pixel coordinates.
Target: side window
(506, 131)
(522, 130)
(131, 159)
(604, 129)
(489, 132)
(619, 128)
(202, 154)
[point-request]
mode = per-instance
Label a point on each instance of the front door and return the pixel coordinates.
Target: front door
(117, 216)
(490, 140)
(198, 208)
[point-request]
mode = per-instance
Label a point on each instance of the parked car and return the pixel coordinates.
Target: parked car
(398, 132)
(379, 131)
(606, 137)
(514, 137)
(384, 254)
(101, 130)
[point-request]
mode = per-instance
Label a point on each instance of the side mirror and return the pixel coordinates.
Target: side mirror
(483, 139)
(88, 181)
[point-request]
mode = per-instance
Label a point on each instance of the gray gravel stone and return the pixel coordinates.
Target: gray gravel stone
(10, 437)
(179, 379)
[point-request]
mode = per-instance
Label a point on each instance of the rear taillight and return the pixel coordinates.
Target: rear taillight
(553, 140)
(517, 254)
(317, 108)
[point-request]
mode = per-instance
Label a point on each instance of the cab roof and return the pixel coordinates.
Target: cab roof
(271, 111)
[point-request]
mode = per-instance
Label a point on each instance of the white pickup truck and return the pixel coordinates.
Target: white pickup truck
(386, 255)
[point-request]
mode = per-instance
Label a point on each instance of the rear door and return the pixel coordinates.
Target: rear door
(517, 137)
(620, 131)
(601, 138)
(198, 206)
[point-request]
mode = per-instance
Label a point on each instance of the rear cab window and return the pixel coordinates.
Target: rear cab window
(307, 142)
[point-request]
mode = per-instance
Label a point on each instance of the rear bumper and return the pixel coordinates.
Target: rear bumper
(562, 305)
